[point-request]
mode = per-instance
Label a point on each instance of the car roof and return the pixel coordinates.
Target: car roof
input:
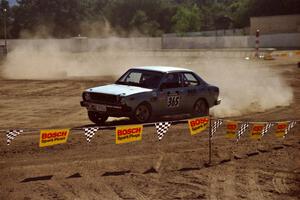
(164, 69)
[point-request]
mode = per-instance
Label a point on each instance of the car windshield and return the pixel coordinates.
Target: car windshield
(141, 78)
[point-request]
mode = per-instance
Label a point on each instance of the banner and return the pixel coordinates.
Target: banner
(280, 129)
(231, 129)
(290, 126)
(131, 133)
(162, 128)
(53, 137)
(12, 134)
(89, 133)
(215, 126)
(197, 125)
(242, 130)
(267, 127)
(256, 130)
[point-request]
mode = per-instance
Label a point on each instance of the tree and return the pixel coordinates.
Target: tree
(59, 18)
(5, 17)
(68, 18)
(187, 19)
(216, 15)
(149, 17)
(240, 14)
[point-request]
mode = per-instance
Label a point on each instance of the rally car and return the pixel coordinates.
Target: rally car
(144, 93)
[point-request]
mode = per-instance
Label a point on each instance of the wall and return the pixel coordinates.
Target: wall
(221, 32)
(90, 44)
(284, 40)
(287, 40)
(205, 42)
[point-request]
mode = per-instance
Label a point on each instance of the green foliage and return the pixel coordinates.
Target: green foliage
(68, 18)
(143, 25)
(58, 18)
(239, 10)
(5, 19)
(216, 16)
(143, 16)
(187, 19)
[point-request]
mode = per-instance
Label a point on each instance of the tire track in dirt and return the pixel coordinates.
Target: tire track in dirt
(174, 185)
(149, 184)
(87, 188)
(229, 183)
(213, 186)
(285, 183)
(279, 184)
(220, 183)
(81, 188)
(255, 191)
(124, 188)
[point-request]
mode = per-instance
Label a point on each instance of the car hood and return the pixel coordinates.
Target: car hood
(116, 89)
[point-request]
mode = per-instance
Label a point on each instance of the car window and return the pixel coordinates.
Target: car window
(141, 78)
(171, 80)
(189, 79)
(134, 77)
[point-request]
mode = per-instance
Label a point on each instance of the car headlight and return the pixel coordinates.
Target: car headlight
(86, 96)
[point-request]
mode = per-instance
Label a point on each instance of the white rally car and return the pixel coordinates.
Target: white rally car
(144, 93)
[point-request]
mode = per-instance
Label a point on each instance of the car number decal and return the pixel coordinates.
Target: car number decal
(173, 101)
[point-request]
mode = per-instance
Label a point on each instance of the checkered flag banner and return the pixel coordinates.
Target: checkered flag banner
(267, 127)
(90, 132)
(162, 128)
(242, 130)
(11, 134)
(215, 126)
(290, 126)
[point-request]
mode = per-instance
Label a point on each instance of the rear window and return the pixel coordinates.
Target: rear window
(190, 79)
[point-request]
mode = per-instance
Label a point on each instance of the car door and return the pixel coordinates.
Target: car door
(170, 94)
(190, 91)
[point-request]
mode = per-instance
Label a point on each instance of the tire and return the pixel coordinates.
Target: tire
(200, 108)
(97, 118)
(142, 113)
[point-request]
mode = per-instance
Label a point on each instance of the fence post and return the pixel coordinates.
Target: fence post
(257, 44)
(209, 140)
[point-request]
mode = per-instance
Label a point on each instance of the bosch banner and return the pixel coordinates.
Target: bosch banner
(256, 131)
(280, 129)
(53, 137)
(197, 125)
(231, 129)
(125, 134)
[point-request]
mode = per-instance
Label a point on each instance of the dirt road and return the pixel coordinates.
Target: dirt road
(174, 168)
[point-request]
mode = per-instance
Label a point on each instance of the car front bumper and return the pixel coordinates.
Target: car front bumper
(111, 110)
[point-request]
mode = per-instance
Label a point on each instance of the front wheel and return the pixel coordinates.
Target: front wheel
(201, 108)
(142, 113)
(97, 118)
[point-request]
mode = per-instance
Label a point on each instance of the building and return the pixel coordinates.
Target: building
(275, 24)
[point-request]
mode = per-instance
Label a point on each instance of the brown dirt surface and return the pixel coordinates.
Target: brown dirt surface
(174, 168)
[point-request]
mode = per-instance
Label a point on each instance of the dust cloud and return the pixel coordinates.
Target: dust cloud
(245, 86)
(47, 60)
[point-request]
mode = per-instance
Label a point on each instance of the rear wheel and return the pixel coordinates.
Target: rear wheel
(201, 108)
(97, 118)
(142, 113)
